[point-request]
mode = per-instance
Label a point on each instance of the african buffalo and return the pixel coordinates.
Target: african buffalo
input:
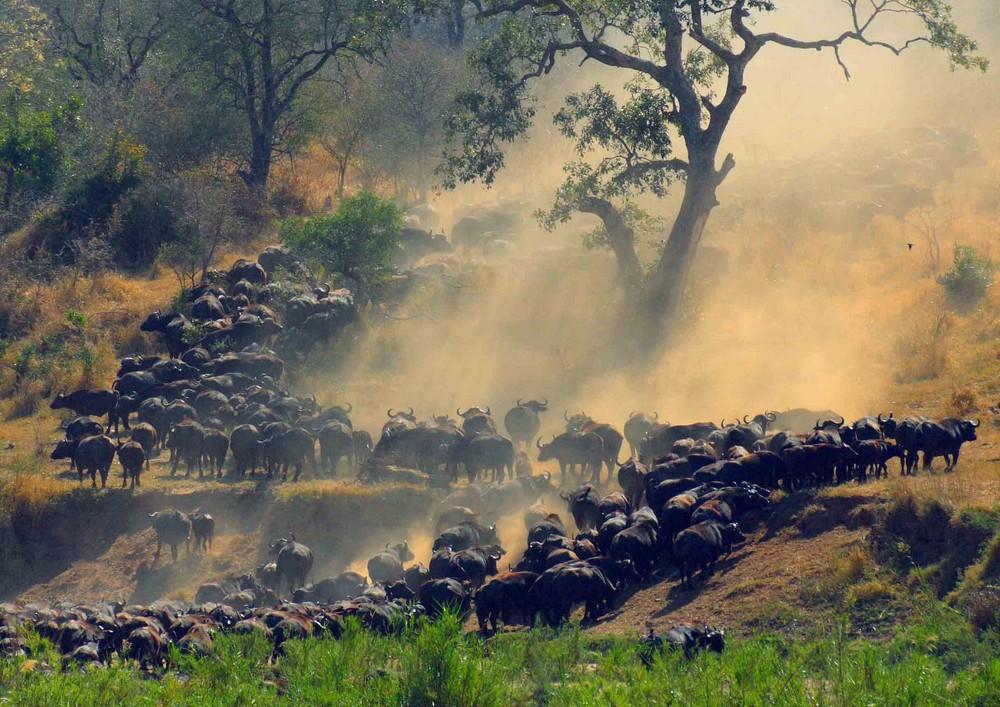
(521, 421)
(96, 403)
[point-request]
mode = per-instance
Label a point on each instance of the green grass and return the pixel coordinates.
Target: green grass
(935, 660)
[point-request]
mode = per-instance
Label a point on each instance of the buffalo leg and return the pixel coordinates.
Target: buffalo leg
(173, 551)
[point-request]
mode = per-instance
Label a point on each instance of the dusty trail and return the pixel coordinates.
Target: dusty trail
(760, 584)
(126, 571)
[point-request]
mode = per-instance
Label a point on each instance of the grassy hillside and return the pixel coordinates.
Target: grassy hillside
(882, 592)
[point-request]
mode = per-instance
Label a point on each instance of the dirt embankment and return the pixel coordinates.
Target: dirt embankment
(85, 547)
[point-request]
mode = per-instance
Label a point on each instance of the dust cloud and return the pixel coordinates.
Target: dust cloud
(786, 310)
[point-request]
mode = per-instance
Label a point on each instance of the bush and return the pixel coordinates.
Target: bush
(120, 168)
(148, 220)
(358, 240)
(969, 278)
(964, 402)
(32, 151)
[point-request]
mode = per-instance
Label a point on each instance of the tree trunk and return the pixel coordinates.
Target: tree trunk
(456, 24)
(621, 239)
(8, 192)
(341, 177)
(666, 293)
(259, 169)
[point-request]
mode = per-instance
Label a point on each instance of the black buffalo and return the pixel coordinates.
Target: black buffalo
(522, 423)
(96, 403)
(572, 450)
(701, 545)
(944, 439)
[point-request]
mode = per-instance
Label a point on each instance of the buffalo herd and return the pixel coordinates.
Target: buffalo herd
(678, 499)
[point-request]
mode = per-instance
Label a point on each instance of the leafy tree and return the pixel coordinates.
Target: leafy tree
(22, 43)
(31, 144)
(969, 278)
(358, 240)
(107, 42)
(264, 53)
(120, 168)
(685, 62)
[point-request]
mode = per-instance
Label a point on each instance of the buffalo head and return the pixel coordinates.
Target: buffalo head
(829, 423)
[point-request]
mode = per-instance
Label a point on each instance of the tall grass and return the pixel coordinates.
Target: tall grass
(937, 659)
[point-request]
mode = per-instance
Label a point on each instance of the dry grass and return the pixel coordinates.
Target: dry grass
(27, 493)
(873, 592)
(846, 571)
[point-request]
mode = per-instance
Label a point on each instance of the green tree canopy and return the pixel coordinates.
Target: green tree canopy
(359, 240)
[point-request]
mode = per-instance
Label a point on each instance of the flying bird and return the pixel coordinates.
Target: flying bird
(909, 246)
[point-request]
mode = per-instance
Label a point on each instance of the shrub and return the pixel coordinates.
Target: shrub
(120, 168)
(964, 402)
(32, 152)
(983, 609)
(358, 240)
(148, 219)
(969, 278)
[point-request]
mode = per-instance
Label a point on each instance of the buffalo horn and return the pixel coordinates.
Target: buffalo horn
(518, 403)
(745, 420)
(410, 413)
(656, 415)
(566, 415)
(389, 413)
(488, 411)
(349, 408)
(545, 401)
(538, 442)
(977, 423)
